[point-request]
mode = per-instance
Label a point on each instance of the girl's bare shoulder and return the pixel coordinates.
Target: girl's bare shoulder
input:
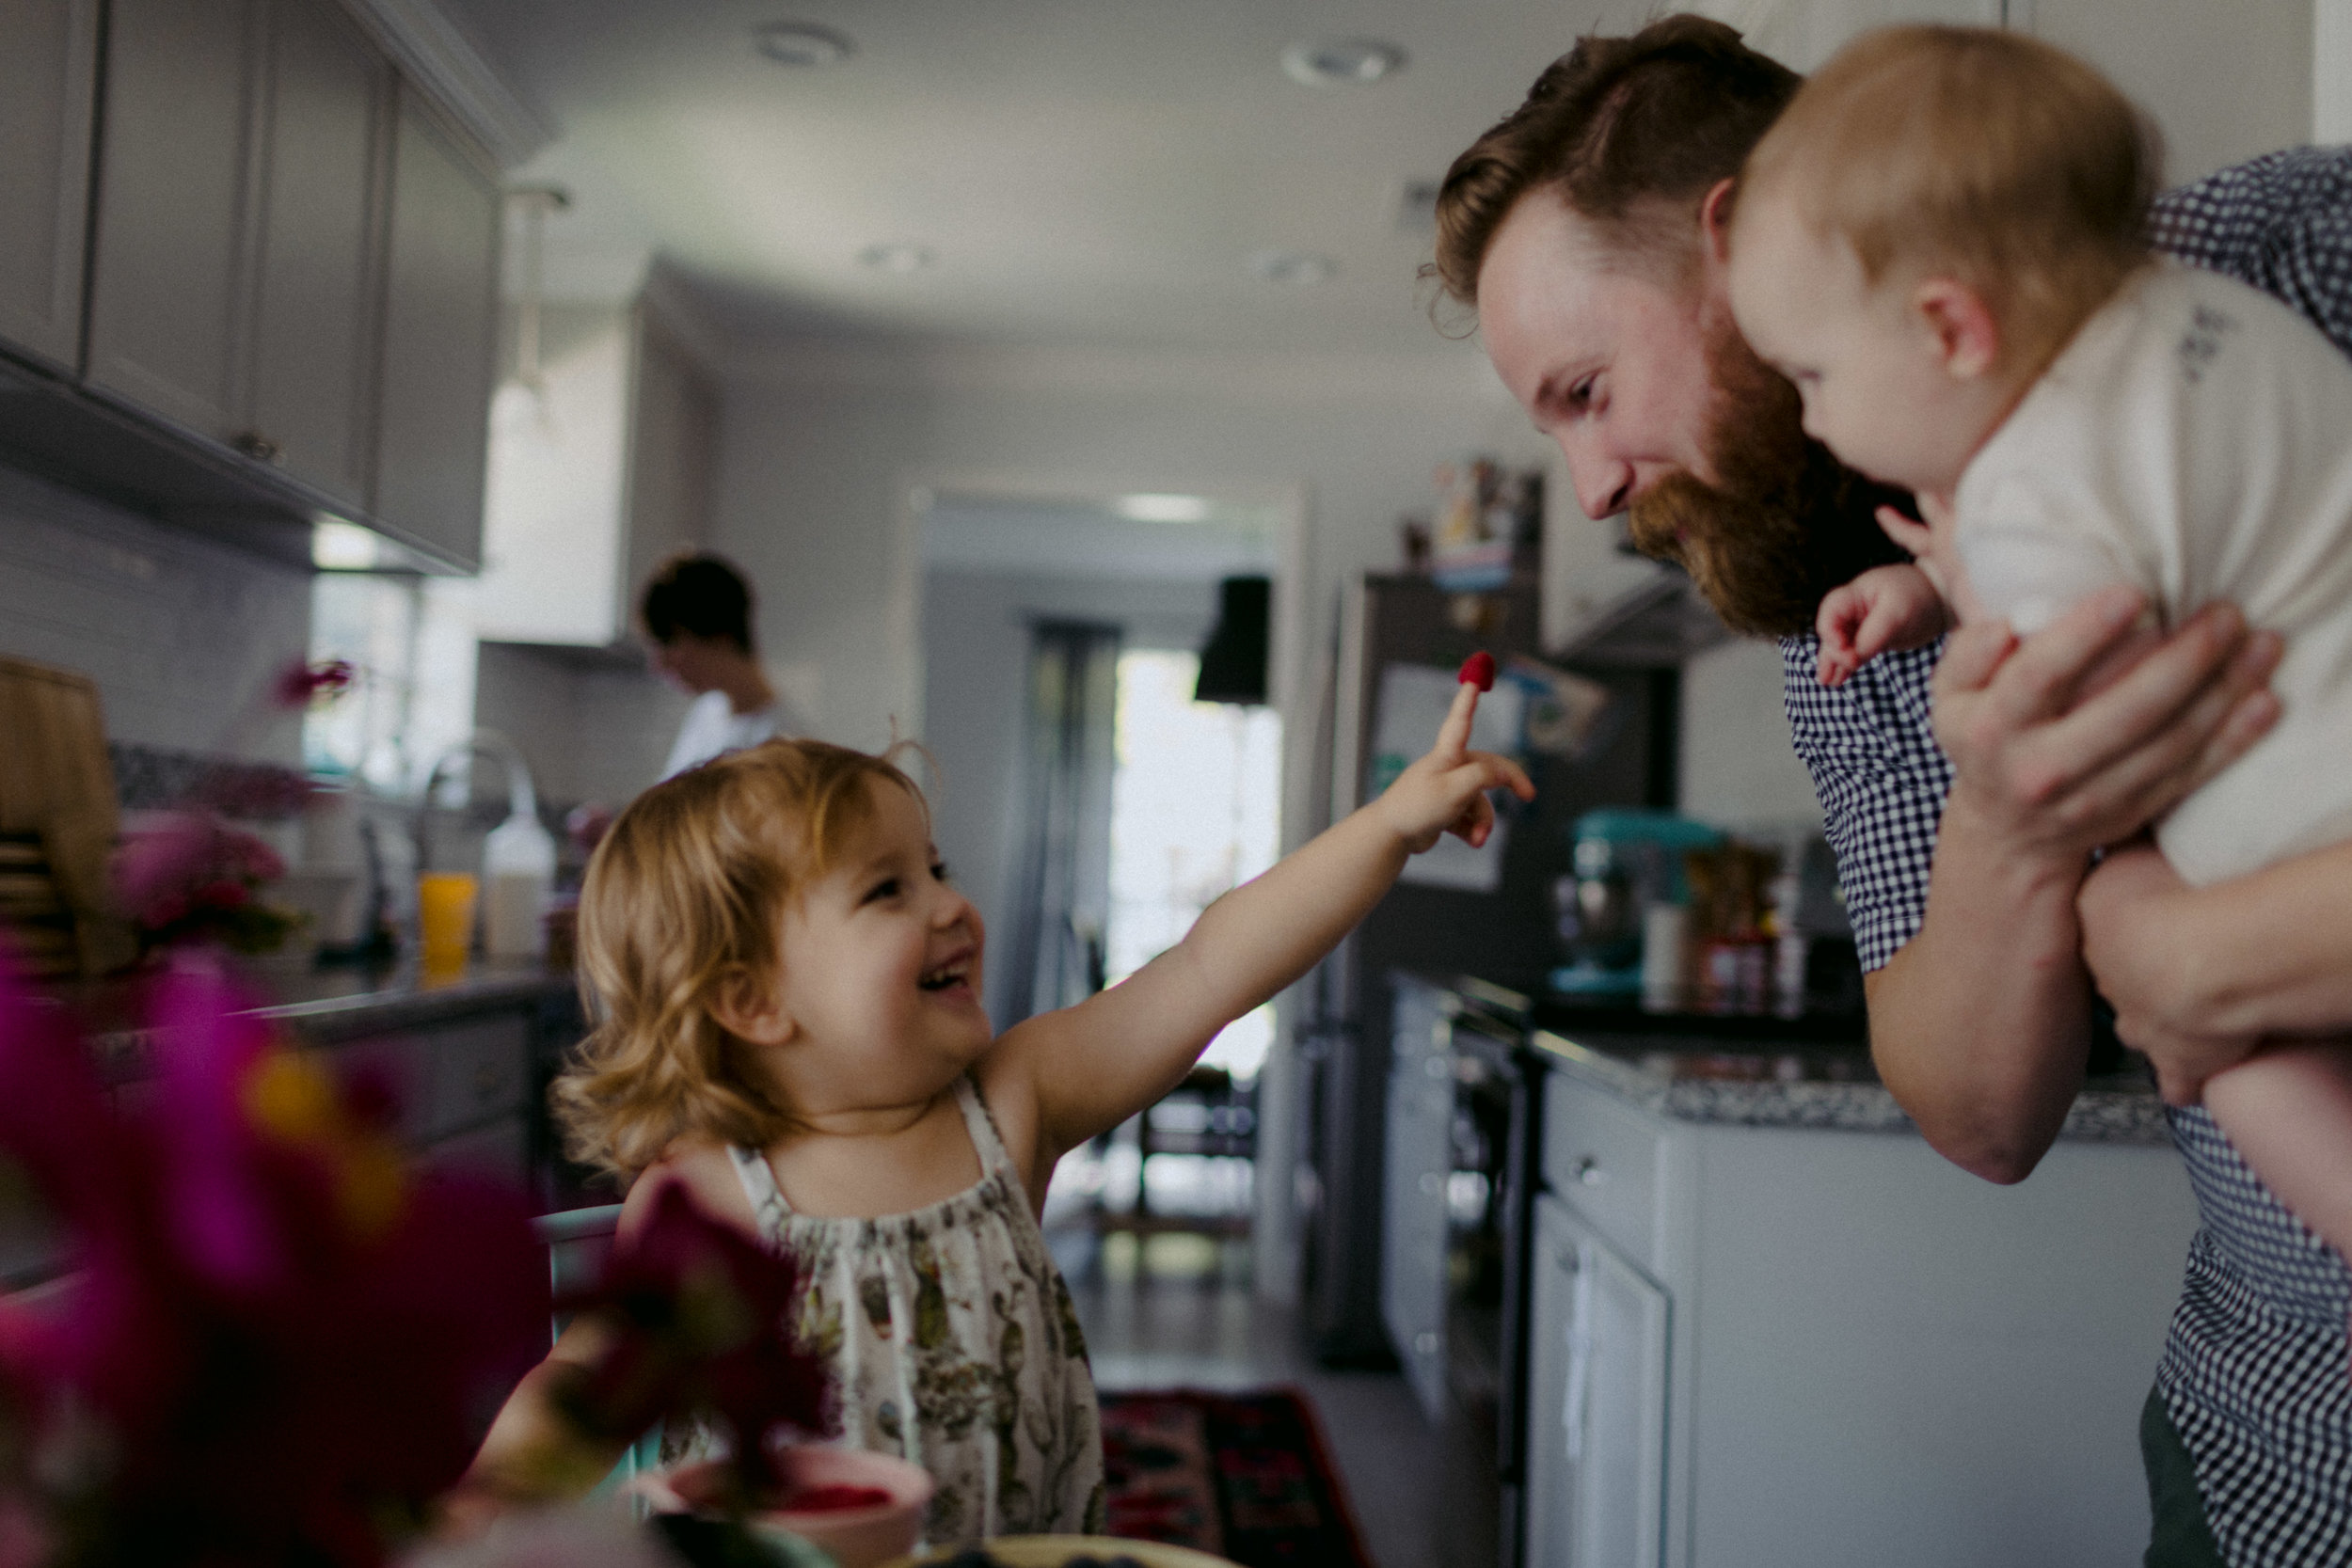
(706, 1169)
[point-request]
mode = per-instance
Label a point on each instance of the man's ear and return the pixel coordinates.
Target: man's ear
(752, 1010)
(1715, 222)
(1963, 332)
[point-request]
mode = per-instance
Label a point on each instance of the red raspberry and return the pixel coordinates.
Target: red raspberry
(1479, 671)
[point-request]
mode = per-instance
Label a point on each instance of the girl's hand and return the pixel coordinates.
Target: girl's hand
(2131, 908)
(2055, 777)
(1886, 607)
(1446, 791)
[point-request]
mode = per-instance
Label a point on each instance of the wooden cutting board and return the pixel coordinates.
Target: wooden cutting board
(59, 821)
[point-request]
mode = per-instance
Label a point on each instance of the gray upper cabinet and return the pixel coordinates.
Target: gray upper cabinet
(440, 319)
(48, 95)
(238, 201)
(319, 270)
(171, 281)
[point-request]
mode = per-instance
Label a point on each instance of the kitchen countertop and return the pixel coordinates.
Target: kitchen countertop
(318, 1006)
(1823, 1088)
(1762, 1070)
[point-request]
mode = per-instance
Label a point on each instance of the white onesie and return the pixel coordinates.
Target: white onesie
(2193, 440)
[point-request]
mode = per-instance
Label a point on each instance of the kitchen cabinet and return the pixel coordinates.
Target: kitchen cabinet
(1596, 1374)
(596, 476)
(440, 322)
(49, 81)
(1760, 1341)
(1420, 1158)
(170, 284)
(317, 275)
(235, 250)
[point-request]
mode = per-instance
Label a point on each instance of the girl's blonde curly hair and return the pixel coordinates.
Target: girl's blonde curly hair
(683, 900)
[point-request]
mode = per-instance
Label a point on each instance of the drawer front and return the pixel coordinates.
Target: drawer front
(482, 1070)
(447, 1077)
(1602, 1157)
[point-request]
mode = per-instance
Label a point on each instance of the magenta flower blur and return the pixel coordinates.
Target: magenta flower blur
(705, 1322)
(275, 1344)
(301, 684)
(186, 876)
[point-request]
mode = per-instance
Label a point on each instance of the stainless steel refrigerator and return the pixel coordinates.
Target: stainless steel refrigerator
(1506, 935)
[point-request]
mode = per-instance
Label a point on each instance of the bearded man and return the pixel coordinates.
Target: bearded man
(1968, 794)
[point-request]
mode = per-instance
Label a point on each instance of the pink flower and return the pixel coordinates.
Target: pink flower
(705, 1320)
(276, 1338)
(301, 683)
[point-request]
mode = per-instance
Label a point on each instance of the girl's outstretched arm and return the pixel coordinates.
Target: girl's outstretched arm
(1091, 1066)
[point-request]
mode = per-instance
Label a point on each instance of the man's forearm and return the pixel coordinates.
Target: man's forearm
(1980, 1024)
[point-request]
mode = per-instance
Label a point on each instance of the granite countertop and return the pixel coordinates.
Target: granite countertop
(1696, 1078)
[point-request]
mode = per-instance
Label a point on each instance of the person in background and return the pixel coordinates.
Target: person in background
(1966, 785)
(697, 611)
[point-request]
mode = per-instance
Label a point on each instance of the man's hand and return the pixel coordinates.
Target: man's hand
(2133, 908)
(2056, 777)
(1445, 792)
(1886, 607)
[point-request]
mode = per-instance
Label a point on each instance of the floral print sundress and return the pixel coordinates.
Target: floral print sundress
(954, 1344)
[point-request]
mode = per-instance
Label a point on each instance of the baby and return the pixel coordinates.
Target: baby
(792, 1026)
(1939, 244)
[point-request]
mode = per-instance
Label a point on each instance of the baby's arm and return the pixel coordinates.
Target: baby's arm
(1093, 1066)
(2289, 1110)
(1886, 607)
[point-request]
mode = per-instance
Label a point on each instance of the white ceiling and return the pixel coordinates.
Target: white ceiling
(1088, 171)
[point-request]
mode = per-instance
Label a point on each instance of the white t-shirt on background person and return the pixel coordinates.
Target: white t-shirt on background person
(712, 727)
(2194, 440)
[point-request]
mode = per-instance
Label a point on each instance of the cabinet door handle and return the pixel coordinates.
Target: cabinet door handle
(1586, 1172)
(260, 448)
(1579, 1331)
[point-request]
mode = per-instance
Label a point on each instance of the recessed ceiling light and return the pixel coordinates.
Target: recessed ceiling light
(897, 256)
(1340, 62)
(1149, 507)
(802, 44)
(1298, 268)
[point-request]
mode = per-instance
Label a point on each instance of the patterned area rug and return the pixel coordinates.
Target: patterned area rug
(1245, 1476)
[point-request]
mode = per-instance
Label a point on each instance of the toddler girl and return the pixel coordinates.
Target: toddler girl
(792, 1026)
(1940, 243)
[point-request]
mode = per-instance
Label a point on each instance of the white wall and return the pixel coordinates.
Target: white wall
(978, 626)
(820, 447)
(182, 633)
(1738, 767)
(588, 732)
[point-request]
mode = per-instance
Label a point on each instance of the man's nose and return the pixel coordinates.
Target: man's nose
(1603, 485)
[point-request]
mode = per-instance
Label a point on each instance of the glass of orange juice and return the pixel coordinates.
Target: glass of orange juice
(445, 907)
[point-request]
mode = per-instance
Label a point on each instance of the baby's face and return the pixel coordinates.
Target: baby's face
(880, 971)
(1873, 391)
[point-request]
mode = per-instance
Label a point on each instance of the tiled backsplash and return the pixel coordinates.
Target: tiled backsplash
(182, 634)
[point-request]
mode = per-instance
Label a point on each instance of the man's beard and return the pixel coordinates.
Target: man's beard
(1784, 523)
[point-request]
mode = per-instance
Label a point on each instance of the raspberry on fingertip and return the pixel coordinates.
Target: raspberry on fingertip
(1479, 671)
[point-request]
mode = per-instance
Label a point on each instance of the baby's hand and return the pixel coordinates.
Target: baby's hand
(1886, 607)
(1446, 791)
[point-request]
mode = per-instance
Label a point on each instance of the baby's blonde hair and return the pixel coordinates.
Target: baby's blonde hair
(1973, 150)
(683, 900)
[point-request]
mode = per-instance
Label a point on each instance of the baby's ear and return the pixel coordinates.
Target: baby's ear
(1963, 332)
(750, 1008)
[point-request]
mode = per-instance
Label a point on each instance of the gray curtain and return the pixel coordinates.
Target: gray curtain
(1065, 789)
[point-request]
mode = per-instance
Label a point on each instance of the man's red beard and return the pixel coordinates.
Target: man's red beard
(1784, 521)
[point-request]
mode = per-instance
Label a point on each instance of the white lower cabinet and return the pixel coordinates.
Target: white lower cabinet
(1791, 1347)
(1597, 1453)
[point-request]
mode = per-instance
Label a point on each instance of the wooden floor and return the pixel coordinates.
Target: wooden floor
(1172, 1310)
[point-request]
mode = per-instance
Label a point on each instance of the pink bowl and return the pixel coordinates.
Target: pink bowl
(852, 1537)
